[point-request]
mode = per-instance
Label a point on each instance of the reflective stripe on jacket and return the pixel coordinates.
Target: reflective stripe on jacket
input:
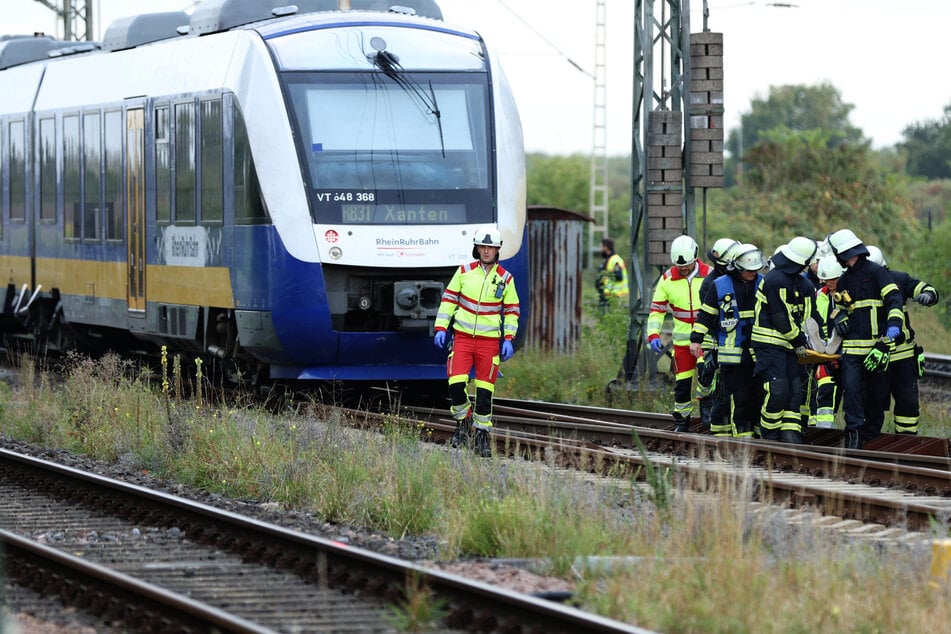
(876, 303)
(735, 321)
(482, 302)
(783, 303)
(681, 295)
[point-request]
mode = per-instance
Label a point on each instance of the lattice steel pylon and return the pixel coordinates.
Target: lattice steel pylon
(661, 50)
(598, 193)
(76, 18)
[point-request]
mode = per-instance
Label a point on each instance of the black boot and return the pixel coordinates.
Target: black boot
(681, 423)
(461, 435)
(483, 445)
(853, 440)
(790, 436)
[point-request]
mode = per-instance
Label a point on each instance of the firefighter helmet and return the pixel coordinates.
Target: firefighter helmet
(748, 258)
(487, 237)
(683, 251)
(875, 255)
(722, 251)
(799, 250)
(846, 245)
(829, 268)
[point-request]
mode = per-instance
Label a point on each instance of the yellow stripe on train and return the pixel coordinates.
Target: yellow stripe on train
(166, 284)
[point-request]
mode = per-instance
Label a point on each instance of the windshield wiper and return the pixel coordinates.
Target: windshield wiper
(390, 65)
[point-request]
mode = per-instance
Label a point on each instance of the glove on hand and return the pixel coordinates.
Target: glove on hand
(656, 345)
(877, 359)
(507, 350)
(926, 298)
(892, 332)
(801, 351)
(440, 339)
(841, 323)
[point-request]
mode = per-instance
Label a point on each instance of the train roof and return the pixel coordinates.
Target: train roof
(212, 16)
(22, 49)
(136, 30)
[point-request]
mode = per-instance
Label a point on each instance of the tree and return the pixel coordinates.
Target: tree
(800, 183)
(927, 146)
(797, 108)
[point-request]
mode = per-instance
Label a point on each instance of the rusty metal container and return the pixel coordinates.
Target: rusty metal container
(556, 255)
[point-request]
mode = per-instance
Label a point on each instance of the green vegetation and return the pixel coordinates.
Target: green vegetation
(691, 563)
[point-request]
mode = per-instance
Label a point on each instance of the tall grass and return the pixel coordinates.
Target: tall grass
(692, 563)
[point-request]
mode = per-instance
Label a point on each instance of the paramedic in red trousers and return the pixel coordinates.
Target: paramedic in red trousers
(482, 306)
(785, 299)
(678, 291)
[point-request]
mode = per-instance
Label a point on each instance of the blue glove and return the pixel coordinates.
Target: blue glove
(657, 346)
(507, 350)
(440, 339)
(892, 332)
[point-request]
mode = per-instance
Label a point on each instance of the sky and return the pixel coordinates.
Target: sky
(884, 57)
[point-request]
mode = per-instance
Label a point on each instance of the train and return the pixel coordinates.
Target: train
(283, 189)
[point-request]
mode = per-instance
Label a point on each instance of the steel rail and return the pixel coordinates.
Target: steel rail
(471, 605)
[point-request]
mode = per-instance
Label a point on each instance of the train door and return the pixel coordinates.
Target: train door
(135, 206)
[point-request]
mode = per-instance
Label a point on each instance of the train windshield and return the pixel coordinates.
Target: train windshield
(395, 128)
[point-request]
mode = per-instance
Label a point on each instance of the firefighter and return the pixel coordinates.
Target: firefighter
(726, 315)
(784, 300)
(612, 276)
(714, 411)
(678, 291)
(907, 362)
(871, 323)
(826, 375)
(481, 305)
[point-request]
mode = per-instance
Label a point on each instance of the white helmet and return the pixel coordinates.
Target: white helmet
(683, 251)
(843, 240)
(748, 258)
(487, 237)
(799, 250)
(722, 251)
(829, 268)
(822, 248)
(875, 255)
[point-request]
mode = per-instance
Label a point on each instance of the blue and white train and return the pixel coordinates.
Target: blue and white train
(285, 190)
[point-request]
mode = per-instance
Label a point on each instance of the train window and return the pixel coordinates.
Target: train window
(115, 194)
(248, 209)
(163, 167)
(72, 179)
(412, 148)
(17, 164)
(212, 189)
(47, 163)
(185, 173)
(92, 177)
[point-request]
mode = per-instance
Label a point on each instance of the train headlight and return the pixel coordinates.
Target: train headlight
(336, 253)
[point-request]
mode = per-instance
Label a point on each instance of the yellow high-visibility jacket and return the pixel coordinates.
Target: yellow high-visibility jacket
(483, 302)
(608, 283)
(680, 294)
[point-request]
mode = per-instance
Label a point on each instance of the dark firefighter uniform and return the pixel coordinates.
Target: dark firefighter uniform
(873, 304)
(784, 300)
(726, 315)
(905, 365)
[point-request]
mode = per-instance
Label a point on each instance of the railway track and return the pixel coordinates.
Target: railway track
(159, 563)
(886, 488)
